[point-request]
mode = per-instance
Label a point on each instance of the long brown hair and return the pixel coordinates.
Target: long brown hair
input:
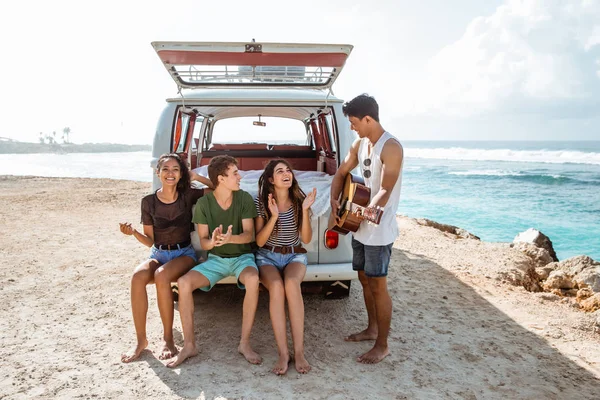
(184, 182)
(265, 187)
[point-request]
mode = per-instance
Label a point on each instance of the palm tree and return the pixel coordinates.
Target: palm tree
(42, 141)
(66, 133)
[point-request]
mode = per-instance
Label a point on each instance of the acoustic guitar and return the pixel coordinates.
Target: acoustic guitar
(354, 199)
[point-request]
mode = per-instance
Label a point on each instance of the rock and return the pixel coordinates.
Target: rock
(584, 294)
(461, 233)
(584, 270)
(591, 303)
(522, 273)
(544, 272)
(570, 292)
(558, 280)
(540, 256)
(537, 238)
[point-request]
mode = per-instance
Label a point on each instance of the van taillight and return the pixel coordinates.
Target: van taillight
(332, 239)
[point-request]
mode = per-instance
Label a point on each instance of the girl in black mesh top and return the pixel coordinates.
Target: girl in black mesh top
(167, 224)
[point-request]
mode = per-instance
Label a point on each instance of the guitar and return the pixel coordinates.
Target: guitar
(354, 199)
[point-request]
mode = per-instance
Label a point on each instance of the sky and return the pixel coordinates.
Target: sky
(440, 70)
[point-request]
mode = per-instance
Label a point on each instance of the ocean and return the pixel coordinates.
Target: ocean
(494, 190)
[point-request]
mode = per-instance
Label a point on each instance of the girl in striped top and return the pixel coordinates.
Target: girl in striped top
(283, 222)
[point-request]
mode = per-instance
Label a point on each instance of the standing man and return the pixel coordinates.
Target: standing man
(225, 225)
(380, 156)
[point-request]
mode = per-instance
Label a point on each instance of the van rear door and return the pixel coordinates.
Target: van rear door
(238, 64)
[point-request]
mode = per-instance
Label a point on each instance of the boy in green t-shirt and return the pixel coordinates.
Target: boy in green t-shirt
(229, 250)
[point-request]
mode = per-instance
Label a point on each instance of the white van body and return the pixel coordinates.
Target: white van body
(257, 102)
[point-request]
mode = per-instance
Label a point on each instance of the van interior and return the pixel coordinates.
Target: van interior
(303, 135)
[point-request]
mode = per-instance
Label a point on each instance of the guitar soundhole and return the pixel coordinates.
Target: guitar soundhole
(342, 208)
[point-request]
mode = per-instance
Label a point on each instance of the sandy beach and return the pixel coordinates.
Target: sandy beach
(460, 329)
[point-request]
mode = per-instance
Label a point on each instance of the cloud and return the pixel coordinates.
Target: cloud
(529, 56)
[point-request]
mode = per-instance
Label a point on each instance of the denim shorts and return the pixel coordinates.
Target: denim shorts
(216, 268)
(373, 260)
(164, 256)
(268, 257)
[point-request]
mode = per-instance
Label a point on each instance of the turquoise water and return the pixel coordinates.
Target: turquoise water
(492, 189)
(497, 189)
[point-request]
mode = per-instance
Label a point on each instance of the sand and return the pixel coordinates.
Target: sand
(459, 330)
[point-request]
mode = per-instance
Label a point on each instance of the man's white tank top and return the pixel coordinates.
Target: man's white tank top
(387, 230)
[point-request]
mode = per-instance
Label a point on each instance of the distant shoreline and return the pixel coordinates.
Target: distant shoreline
(14, 147)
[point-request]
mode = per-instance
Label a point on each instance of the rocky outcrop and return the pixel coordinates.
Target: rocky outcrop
(539, 251)
(583, 270)
(577, 277)
(538, 239)
(454, 230)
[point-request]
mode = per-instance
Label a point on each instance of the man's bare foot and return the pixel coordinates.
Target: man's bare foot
(360, 336)
(281, 366)
(185, 353)
(135, 352)
(250, 355)
(169, 350)
(374, 355)
(302, 366)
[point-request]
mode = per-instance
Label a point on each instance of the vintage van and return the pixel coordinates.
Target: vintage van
(255, 102)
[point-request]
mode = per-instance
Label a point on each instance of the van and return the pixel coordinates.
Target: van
(259, 101)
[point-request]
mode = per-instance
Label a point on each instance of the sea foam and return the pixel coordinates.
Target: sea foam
(532, 156)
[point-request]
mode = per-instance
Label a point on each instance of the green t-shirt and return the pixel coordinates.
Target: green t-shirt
(208, 212)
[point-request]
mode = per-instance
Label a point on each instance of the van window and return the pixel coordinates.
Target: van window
(275, 131)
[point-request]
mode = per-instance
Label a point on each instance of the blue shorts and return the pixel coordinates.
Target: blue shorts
(373, 260)
(268, 257)
(216, 268)
(164, 256)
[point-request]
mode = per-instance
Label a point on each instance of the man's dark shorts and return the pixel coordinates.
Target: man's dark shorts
(374, 260)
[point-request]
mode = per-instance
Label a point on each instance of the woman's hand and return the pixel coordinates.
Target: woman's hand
(273, 207)
(126, 228)
(194, 176)
(309, 200)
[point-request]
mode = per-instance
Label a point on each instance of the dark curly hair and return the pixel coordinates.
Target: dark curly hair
(184, 182)
(265, 187)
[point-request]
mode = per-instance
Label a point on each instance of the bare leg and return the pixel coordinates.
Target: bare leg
(293, 276)
(249, 278)
(371, 332)
(271, 278)
(383, 307)
(163, 277)
(187, 284)
(142, 276)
